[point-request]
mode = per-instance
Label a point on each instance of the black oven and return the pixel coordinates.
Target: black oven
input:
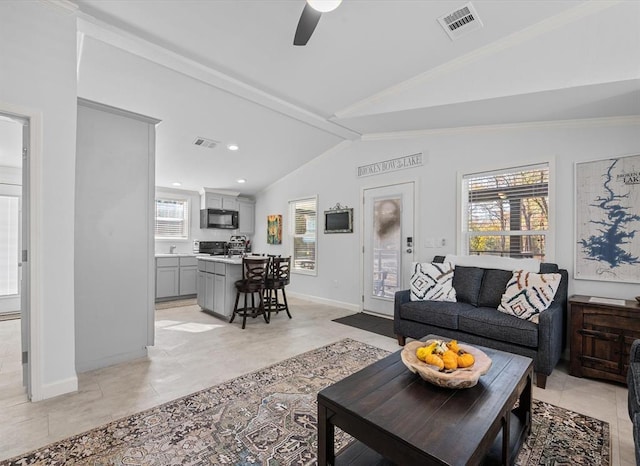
(219, 218)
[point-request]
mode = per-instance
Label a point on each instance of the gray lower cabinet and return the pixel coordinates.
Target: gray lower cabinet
(176, 277)
(167, 277)
(216, 287)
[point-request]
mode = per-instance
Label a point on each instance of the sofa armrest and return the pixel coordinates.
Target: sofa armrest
(551, 330)
(401, 297)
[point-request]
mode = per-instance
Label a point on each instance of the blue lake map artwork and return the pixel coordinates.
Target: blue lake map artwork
(608, 220)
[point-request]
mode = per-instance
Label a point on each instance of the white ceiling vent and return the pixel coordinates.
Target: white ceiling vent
(204, 142)
(460, 22)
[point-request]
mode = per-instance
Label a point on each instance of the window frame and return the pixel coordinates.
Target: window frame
(462, 246)
(186, 219)
(292, 235)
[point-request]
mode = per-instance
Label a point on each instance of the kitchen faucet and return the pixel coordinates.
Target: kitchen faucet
(172, 248)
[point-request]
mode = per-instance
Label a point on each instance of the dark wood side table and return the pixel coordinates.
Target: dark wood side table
(601, 336)
(399, 419)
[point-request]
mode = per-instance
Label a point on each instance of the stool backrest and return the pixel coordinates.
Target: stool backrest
(281, 269)
(255, 268)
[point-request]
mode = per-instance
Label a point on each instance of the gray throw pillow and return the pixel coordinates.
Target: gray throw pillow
(467, 282)
(494, 284)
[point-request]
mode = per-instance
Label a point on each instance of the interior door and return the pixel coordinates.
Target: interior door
(25, 315)
(388, 244)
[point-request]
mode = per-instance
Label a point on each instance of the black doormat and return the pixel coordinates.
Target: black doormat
(370, 323)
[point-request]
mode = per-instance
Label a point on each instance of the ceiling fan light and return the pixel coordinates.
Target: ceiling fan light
(324, 6)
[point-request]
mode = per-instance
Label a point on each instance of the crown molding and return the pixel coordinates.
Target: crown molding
(92, 27)
(573, 14)
(65, 5)
(633, 120)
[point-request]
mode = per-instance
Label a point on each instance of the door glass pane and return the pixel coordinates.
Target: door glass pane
(387, 241)
(9, 216)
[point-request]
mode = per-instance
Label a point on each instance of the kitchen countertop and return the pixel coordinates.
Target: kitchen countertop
(237, 260)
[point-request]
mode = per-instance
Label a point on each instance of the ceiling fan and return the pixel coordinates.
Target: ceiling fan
(310, 16)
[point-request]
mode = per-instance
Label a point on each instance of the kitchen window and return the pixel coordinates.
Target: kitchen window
(506, 212)
(172, 219)
(303, 232)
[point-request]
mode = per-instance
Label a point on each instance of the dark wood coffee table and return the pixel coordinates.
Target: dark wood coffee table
(398, 418)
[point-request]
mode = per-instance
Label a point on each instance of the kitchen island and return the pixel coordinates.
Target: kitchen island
(217, 276)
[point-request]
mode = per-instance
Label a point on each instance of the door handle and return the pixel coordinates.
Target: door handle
(409, 250)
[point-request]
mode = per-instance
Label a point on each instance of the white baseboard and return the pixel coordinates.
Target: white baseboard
(329, 302)
(59, 387)
(111, 360)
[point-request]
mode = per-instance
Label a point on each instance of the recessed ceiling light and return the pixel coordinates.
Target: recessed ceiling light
(324, 6)
(241, 180)
(233, 146)
(176, 183)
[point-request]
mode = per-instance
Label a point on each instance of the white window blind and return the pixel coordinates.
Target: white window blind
(172, 219)
(303, 231)
(506, 212)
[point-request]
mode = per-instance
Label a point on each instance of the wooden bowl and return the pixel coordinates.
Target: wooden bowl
(460, 378)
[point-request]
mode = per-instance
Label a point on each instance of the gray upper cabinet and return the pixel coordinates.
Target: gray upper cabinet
(246, 216)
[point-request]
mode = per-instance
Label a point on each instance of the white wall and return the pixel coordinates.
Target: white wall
(38, 56)
(202, 234)
(11, 185)
(449, 154)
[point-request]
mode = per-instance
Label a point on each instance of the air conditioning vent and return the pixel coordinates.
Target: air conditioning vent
(204, 142)
(460, 22)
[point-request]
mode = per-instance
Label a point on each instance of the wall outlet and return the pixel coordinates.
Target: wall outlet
(442, 242)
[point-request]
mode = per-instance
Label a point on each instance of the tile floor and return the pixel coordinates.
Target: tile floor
(194, 351)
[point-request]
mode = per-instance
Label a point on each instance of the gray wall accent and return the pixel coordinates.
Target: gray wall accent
(114, 304)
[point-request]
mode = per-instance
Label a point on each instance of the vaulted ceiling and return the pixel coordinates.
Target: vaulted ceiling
(228, 70)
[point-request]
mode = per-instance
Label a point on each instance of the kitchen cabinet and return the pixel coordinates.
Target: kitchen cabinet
(167, 277)
(216, 286)
(246, 217)
(202, 286)
(188, 276)
(214, 200)
(176, 277)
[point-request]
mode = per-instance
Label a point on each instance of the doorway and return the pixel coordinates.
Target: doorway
(14, 239)
(388, 244)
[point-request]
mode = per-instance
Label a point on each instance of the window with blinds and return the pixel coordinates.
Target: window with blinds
(303, 232)
(506, 212)
(172, 219)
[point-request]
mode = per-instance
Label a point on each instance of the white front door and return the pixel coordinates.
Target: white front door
(388, 244)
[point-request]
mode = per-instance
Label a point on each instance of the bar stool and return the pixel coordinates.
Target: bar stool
(277, 279)
(254, 270)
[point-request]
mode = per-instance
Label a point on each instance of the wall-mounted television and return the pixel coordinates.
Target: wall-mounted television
(338, 221)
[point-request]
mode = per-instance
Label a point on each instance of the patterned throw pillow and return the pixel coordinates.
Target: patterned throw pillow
(528, 294)
(432, 282)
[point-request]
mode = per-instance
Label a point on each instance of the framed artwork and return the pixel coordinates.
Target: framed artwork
(608, 220)
(274, 229)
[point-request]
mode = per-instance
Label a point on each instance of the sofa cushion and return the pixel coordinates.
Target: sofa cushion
(494, 284)
(467, 282)
(528, 294)
(432, 282)
(548, 267)
(439, 313)
(491, 323)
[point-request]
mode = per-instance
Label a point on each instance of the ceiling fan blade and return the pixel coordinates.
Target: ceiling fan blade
(307, 24)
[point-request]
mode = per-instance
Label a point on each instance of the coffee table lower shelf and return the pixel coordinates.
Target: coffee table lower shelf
(358, 454)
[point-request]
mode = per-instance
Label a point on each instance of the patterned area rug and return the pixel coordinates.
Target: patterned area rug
(269, 418)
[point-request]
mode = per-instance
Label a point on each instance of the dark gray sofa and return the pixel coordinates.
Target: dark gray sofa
(475, 319)
(633, 384)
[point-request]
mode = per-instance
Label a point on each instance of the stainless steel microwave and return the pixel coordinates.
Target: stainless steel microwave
(219, 218)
